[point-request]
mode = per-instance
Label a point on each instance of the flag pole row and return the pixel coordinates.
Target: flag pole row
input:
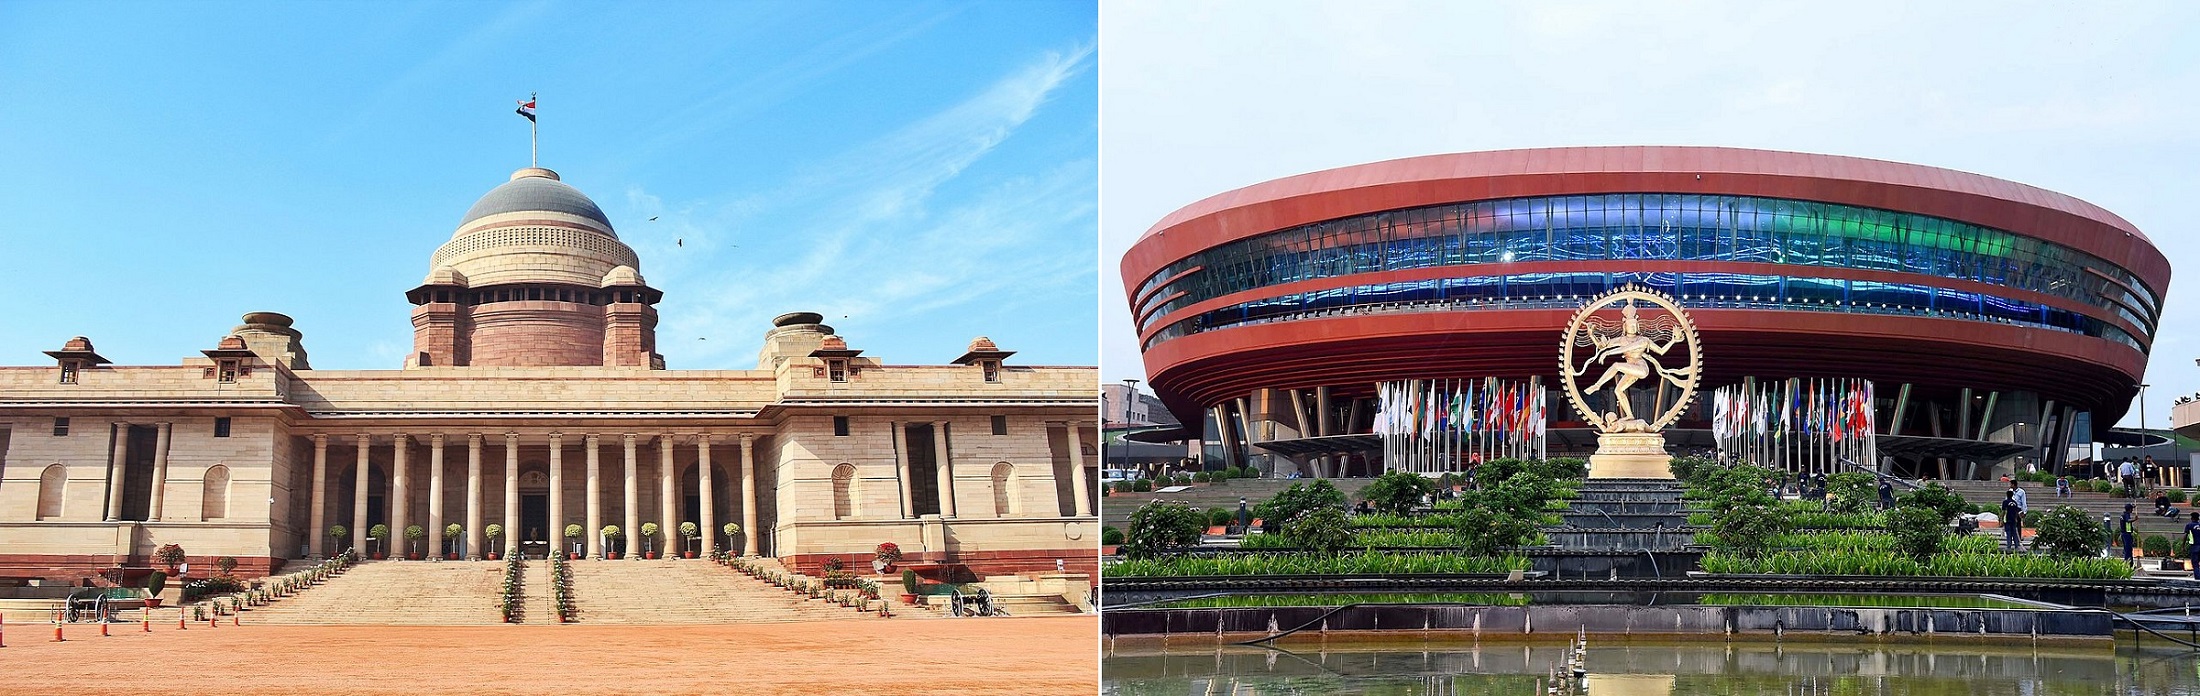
(1800, 425)
(1440, 425)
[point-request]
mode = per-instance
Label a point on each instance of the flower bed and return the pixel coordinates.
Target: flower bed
(561, 586)
(514, 591)
(1946, 564)
(1363, 563)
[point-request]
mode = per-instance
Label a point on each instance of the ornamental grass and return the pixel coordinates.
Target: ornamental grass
(1945, 564)
(1363, 563)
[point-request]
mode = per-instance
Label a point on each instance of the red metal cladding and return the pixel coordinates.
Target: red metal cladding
(1193, 371)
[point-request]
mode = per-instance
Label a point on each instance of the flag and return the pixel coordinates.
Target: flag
(527, 109)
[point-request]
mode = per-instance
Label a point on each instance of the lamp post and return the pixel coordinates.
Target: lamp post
(1130, 396)
(2142, 419)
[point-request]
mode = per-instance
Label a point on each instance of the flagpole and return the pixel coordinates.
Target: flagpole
(534, 138)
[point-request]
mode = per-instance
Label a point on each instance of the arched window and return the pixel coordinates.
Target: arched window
(844, 491)
(214, 493)
(50, 487)
(1002, 498)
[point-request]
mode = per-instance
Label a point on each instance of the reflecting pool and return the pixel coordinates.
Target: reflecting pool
(1652, 668)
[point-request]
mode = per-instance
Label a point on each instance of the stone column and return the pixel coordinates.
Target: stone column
(633, 502)
(709, 521)
(557, 494)
(114, 472)
(511, 493)
(668, 493)
(595, 500)
(473, 497)
(400, 497)
(946, 468)
(320, 497)
(1077, 469)
(435, 494)
(361, 476)
(748, 495)
(160, 472)
(901, 472)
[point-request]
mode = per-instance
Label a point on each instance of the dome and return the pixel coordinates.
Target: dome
(536, 189)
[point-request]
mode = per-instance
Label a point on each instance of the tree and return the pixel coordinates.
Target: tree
(1159, 526)
(1322, 532)
(1918, 531)
(1748, 529)
(1397, 492)
(1487, 532)
(1297, 500)
(2068, 531)
(1935, 497)
(413, 534)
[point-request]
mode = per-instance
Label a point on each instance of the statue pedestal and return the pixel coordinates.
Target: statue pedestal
(1630, 455)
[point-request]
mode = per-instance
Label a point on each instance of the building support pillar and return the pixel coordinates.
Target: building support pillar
(594, 533)
(709, 523)
(633, 501)
(511, 494)
(901, 472)
(1083, 505)
(435, 493)
(160, 473)
(319, 515)
(361, 476)
(748, 495)
(946, 469)
(115, 467)
(556, 531)
(668, 494)
(400, 495)
(473, 497)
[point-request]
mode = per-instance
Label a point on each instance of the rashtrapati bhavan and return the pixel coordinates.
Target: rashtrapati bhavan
(534, 399)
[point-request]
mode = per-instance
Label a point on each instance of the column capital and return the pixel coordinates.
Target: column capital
(436, 439)
(556, 436)
(365, 439)
(705, 438)
(511, 438)
(473, 438)
(320, 439)
(628, 437)
(400, 439)
(592, 439)
(748, 439)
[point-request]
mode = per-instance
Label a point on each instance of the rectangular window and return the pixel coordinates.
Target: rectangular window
(992, 371)
(60, 427)
(840, 426)
(221, 427)
(228, 373)
(68, 372)
(1000, 425)
(836, 370)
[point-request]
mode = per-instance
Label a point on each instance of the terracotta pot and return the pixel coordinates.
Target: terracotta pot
(651, 555)
(909, 599)
(493, 556)
(450, 556)
(152, 602)
(614, 555)
(413, 556)
(690, 554)
(572, 556)
(377, 555)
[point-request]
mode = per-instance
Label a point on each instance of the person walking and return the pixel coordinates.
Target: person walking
(2010, 536)
(2192, 544)
(1886, 495)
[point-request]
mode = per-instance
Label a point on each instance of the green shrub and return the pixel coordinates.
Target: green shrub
(2155, 545)
(1397, 492)
(1994, 565)
(1220, 517)
(1299, 499)
(1487, 532)
(2068, 531)
(1110, 536)
(228, 564)
(156, 582)
(1201, 477)
(1158, 527)
(2177, 495)
(1688, 468)
(1322, 531)
(1851, 491)
(2180, 548)
(1142, 486)
(1362, 563)
(1918, 531)
(1748, 530)
(909, 581)
(1937, 498)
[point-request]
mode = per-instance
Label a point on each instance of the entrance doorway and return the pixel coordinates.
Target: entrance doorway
(534, 524)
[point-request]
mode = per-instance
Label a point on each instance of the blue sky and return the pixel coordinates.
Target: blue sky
(2098, 102)
(919, 173)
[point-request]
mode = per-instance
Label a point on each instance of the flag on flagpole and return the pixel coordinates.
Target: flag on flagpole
(527, 108)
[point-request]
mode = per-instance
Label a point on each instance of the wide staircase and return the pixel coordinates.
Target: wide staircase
(2042, 498)
(690, 591)
(1116, 509)
(395, 593)
(1624, 514)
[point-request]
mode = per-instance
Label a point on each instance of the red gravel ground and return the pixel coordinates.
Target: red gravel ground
(963, 657)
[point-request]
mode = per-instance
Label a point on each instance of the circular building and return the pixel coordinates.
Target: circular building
(1995, 319)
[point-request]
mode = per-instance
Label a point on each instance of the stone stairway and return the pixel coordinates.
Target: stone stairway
(1034, 605)
(396, 593)
(688, 591)
(2042, 498)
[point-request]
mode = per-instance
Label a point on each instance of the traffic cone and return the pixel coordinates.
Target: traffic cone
(57, 632)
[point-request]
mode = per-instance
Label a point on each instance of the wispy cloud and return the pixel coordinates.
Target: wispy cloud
(867, 233)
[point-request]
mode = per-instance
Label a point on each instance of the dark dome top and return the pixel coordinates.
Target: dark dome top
(535, 189)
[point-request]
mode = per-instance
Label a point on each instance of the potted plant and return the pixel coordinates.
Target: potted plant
(574, 532)
(228, 564)
(172, 555)
(688, 533)
(733, 535)
(649, 534)
(611, 535)
(451, 533)
(413, 533)
(909, 587)
(154, 584)
(884, 557)
(493, 531)
(379, 532)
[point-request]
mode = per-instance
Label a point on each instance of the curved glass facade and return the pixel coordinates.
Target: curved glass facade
(1648, 226)
(1695, 290)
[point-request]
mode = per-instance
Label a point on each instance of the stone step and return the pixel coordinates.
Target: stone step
(396, 593)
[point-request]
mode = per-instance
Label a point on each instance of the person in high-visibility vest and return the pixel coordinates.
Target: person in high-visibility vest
(2192, 544)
